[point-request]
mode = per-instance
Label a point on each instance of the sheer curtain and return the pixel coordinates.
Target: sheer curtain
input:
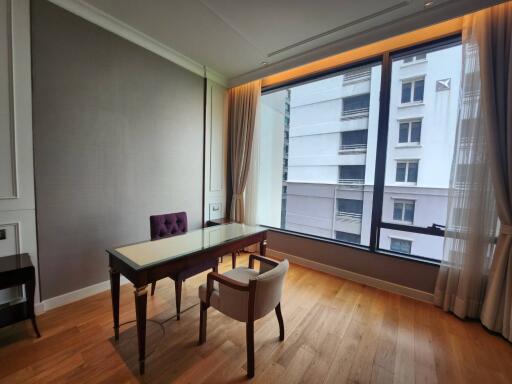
(251, 190)
(243, 103)
(475, 278)
(471, 219)
(494, 34)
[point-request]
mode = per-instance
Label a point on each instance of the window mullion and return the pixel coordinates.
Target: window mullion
(382, 139)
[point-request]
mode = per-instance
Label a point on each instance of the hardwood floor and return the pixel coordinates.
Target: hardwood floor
(337, 331)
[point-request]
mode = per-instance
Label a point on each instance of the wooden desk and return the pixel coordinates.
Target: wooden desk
(16, 270)
(149, 261)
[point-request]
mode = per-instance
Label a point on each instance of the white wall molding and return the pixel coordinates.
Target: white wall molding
(73, 296)
(356, 277)
(10, 110)
(16, 228)
(118, 27)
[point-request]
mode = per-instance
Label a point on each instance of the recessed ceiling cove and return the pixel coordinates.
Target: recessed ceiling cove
(276, 27)
(248, 39)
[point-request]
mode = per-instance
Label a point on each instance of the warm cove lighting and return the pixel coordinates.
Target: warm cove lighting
(418, 36)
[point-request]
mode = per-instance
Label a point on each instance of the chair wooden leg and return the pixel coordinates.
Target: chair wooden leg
(233, 259)
(249, 334)
(202, 323)
(281, 322)
(177, 287)
(216, 269)
(153, 286)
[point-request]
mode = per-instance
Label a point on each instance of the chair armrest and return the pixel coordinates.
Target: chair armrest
(261, 259)
(221, 279)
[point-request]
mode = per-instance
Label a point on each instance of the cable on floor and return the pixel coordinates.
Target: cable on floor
(161, 324)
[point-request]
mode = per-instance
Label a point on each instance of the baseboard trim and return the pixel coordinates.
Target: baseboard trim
(94, 289)
(73, 296)
(356, 277)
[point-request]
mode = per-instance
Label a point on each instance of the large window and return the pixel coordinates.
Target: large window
(350, 207)
(401, 245)
(403, 210)
(351, 174)
(348, 237)
(354, 105)
(407, 171)
(354, 140)
(340, 159)
(410, 132)
(412, 91)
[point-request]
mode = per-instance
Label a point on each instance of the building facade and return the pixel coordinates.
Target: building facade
(330, 141)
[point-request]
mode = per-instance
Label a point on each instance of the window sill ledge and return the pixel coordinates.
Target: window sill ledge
(400, 146)
(380, 252)
(411, 104)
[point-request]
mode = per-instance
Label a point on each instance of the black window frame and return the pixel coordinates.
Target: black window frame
(377, 224)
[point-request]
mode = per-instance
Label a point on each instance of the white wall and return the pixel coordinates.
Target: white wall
(17, 207)
(216, 151)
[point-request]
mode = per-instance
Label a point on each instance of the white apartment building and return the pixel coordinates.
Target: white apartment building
(330, 147)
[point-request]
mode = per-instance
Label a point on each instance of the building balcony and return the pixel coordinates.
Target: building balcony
(349, 215)
(356, 76)
(352, 148)
(351, 181)
(355, 114)
(348, 223)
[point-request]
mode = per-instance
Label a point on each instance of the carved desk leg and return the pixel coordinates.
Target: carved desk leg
(141, 299)
(30, 289)
(114, 292)
(263, 247)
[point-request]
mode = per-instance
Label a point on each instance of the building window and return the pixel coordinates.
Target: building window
(348, 237)
(415, 58)
(356, 105)
(401, 245)
(356, 75)
(354, 139)
(409, 132)
(407, 171)
(350, 207)
(403, 210)
(412, 91)
(351, 174)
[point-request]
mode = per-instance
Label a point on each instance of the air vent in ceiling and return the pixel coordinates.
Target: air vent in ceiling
(342, 27)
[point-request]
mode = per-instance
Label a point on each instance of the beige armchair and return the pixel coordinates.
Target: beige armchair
(246, 295)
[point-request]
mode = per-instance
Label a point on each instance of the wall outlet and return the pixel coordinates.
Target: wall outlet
(2, 234)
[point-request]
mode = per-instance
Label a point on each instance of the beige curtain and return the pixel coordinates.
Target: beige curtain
(243, 102)
(494, 35)
(475, 278)
(471, 219)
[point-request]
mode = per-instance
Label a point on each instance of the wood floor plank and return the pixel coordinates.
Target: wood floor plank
(337, 331)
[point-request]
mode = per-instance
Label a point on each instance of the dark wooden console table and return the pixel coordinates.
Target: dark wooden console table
(149, 261)
(16, 270)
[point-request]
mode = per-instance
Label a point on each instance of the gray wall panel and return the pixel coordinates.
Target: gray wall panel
(413, 274)
(117, 137)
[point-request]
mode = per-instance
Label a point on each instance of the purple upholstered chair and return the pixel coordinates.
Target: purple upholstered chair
(172, 224)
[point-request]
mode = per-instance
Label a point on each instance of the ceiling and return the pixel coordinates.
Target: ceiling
(243, 40)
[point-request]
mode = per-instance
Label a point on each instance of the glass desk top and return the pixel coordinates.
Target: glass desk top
(141, 255)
